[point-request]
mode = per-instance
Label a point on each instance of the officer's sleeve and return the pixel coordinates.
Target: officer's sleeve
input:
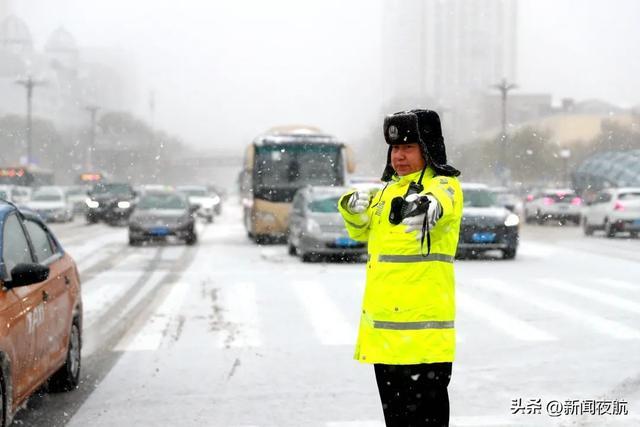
(444, 190)
(357, 224)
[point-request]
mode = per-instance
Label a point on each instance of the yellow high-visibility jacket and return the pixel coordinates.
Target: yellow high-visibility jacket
(408, 310)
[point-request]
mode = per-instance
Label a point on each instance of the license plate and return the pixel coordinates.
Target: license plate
(564, 207)
(160, 231)
(346, 242)
(484, 237)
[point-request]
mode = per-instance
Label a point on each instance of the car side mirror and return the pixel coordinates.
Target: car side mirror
(25, 274)
(194, 207)
(510, 206)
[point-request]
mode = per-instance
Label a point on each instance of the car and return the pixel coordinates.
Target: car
(208, 201)
(509, 200)
(162, 214)
(316, 228)
(40, 310)
(15, 193)
(613, 210)
(110, 202)
(553, 204)
(486, 224)
(77, 195)
(51, 203)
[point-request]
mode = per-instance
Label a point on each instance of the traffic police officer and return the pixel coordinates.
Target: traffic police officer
(411, 226)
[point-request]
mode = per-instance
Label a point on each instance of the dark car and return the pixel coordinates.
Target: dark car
(40, 311)
(110, 202)
(486, 224)
(162, 214)
(316, 228)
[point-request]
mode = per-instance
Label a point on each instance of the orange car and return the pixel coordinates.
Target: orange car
(40, 311)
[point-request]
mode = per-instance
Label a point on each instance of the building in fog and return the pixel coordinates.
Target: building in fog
(69, 78)
(446, 54)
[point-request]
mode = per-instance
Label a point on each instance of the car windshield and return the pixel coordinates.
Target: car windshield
(282, 165)
(196, 192)
(117, 189)
(76, 191)
(561, 197)
(477, 198)
(630, 196)
(162, 201)
(46, 196)
(326, 205)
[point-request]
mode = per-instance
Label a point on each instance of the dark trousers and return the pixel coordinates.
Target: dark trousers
(414, 395)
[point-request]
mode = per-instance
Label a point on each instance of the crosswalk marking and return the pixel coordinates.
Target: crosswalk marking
(618, 284)
(239, 316)
(600, 324)
(327, 321)
(601, 297)
(500, 320)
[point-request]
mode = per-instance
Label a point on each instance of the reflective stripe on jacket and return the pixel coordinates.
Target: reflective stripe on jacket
(408, 310)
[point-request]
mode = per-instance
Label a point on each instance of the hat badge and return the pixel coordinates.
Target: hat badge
(393, 132)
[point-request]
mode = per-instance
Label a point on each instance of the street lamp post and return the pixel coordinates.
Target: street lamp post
(92, 110)
(565, 153)
(504, 89)
(29, 83)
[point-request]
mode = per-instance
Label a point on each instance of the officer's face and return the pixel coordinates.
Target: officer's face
(406, 158)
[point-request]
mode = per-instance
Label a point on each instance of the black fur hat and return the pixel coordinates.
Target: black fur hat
(417, 127)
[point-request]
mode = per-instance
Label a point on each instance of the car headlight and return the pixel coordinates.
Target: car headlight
(216, 200)
(92, 203)
(512, 220)
(313, 227)
(124, 204)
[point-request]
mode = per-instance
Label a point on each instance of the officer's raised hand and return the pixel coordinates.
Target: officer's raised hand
(358, 202)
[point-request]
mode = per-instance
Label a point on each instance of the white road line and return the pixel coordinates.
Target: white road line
(500, 320)
(618, 284)
(240, 316)
(601, 297)
(598, 323)
(99, 293)
(155, 330)
(329, 324)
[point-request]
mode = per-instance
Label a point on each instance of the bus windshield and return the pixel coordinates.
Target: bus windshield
(296, 165)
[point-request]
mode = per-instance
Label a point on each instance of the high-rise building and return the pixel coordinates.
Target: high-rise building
(446, 54)
(4, 9)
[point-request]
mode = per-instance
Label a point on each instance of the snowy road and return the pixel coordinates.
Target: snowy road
(227, 333)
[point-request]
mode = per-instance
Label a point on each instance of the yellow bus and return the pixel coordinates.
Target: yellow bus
(278, 163)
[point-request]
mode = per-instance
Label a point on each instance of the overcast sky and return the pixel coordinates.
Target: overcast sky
(211, 63)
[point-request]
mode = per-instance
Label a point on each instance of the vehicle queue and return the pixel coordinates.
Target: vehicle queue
(36, 271)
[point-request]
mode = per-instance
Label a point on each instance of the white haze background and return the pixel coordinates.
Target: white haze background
(223, 71)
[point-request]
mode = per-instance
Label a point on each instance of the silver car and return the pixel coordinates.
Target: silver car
(317, 229)
(561, 205)
(159, 215)
(614, 210)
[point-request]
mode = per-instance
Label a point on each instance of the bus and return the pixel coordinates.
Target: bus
(26, 176)
(278, 163)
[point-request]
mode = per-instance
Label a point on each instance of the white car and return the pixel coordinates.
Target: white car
(77, 195)
(554, 204)
(209, 203)
(51, 203)
(613, 210)
(15, 193)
